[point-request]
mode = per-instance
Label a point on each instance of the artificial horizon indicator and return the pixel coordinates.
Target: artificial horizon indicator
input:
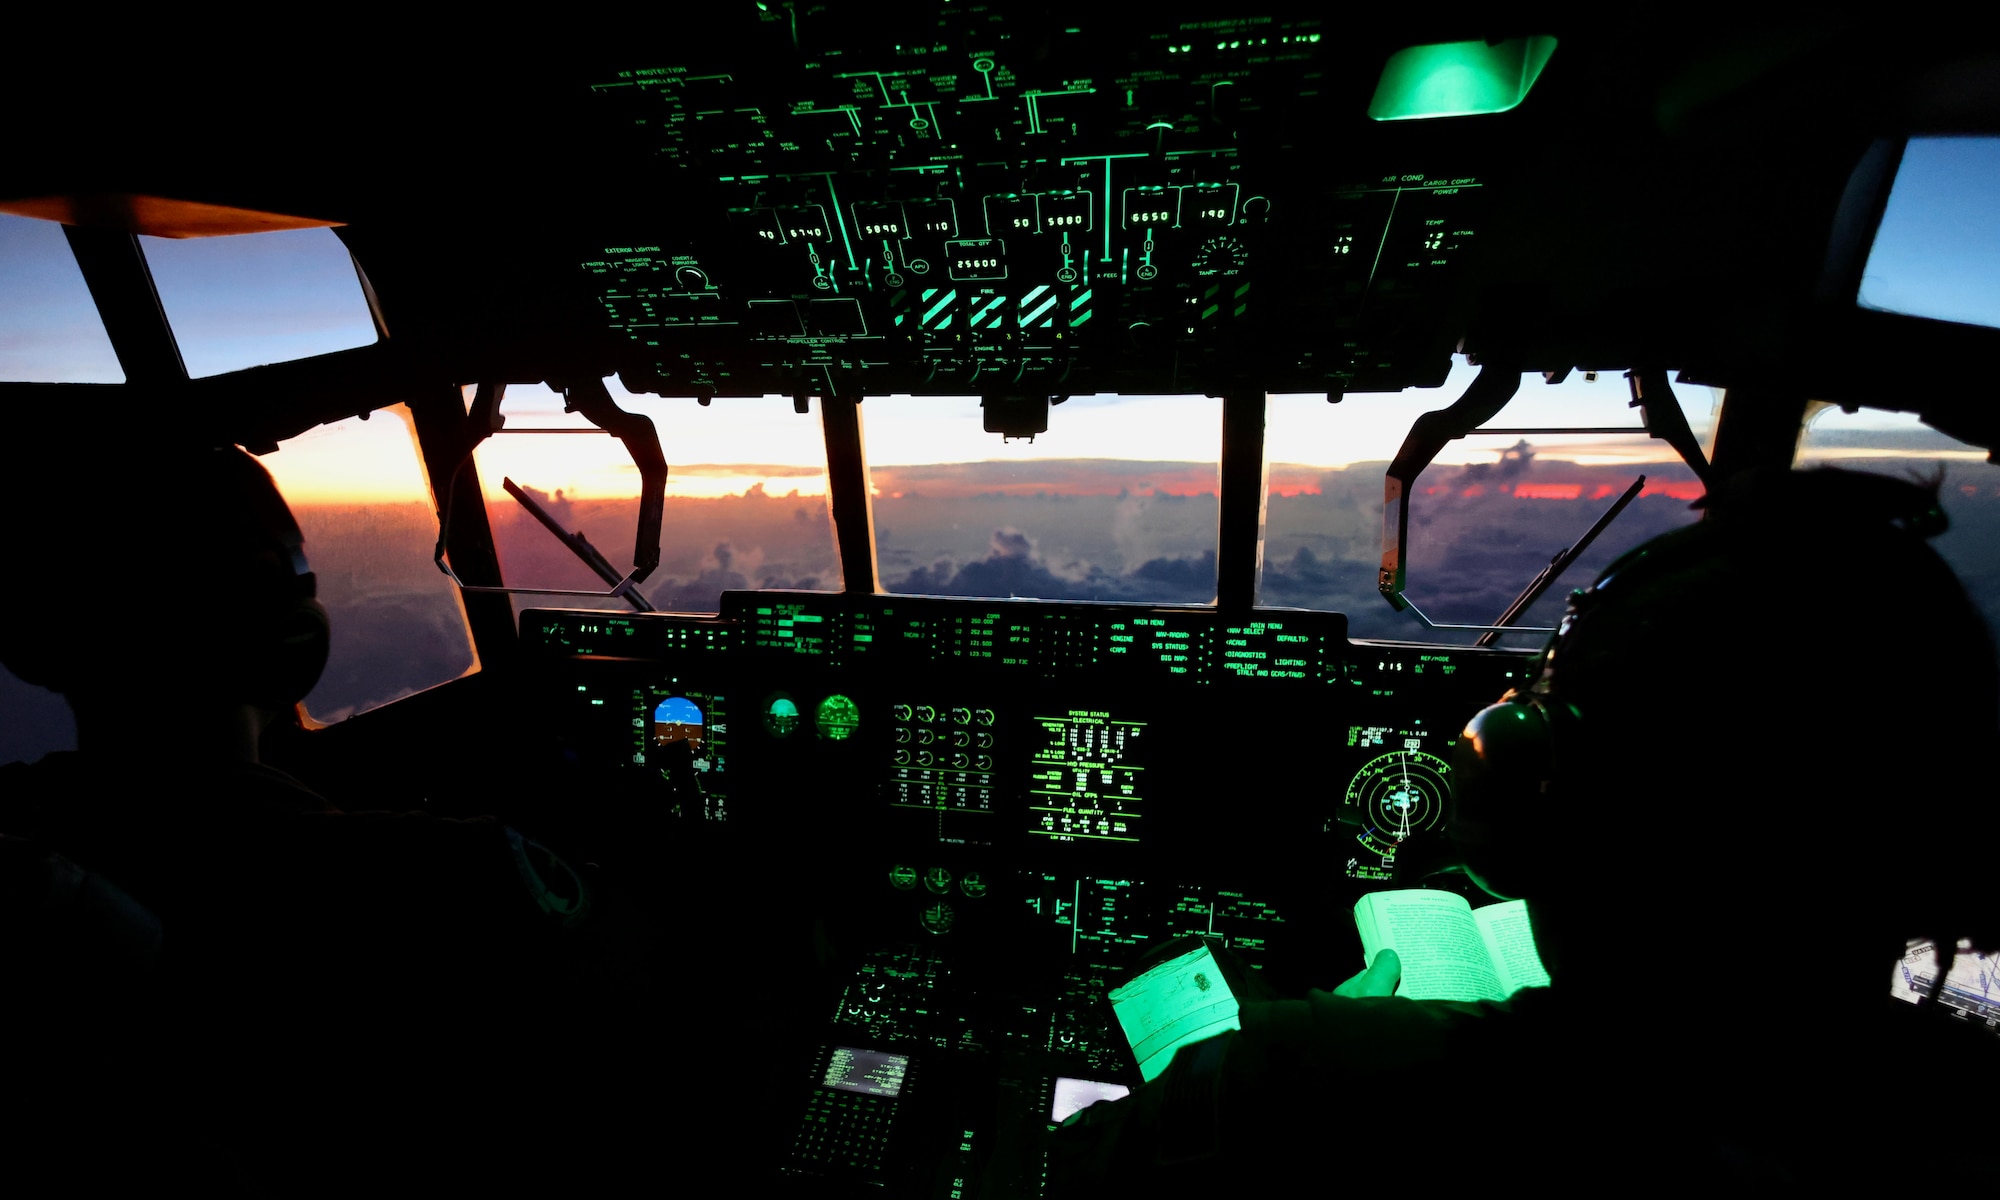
(781, 716)
(678, 719)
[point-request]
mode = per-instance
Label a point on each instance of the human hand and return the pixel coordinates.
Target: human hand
(1380, 979)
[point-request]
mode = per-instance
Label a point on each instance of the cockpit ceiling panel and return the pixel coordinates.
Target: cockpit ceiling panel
(976, 203)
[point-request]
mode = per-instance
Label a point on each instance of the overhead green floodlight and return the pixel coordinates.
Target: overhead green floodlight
(1459, 79)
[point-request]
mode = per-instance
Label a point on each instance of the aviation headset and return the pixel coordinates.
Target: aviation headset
(258, 634)
(1520, 764)
(1513, 757)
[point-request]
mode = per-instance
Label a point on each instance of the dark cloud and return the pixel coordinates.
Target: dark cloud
(1055, 477)
(703, 593)
(1515, 461)
(1180, 572)
(1012, 543)
(1013, 568)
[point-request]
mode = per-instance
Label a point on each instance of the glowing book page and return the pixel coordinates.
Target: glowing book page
(1434, 935)
(1511, 942)
(1182, 1000)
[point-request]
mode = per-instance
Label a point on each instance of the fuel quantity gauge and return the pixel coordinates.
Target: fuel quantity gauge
(1221, 255)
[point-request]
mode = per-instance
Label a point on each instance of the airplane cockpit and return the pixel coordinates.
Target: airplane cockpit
(939, 499)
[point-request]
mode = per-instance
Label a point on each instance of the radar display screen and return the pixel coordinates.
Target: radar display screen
(871, 1072)
(1401, 787)
(1087, 777)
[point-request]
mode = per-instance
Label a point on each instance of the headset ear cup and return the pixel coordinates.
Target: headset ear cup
(1503, 773)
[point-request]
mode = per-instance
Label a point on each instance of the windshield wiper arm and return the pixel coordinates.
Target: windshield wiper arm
(1560, 563)
(579, 546)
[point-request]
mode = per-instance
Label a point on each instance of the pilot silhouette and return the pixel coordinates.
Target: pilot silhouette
(1729, 798)
(314, 958)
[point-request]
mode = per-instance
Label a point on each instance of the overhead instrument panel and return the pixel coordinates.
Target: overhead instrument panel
(949, 198)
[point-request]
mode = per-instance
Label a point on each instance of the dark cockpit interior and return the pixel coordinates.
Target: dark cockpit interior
(925, 818)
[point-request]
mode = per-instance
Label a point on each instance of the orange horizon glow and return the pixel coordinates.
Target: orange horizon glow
(381, 479)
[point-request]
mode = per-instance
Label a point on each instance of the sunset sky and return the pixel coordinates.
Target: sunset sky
(1095, 444)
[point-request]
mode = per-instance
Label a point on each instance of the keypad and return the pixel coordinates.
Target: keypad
(844, 1130)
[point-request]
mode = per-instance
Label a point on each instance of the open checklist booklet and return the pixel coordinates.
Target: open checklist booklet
(1449, 949)
(1180, 1001)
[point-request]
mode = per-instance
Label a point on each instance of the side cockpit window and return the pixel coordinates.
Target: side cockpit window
(258, 298)
(359, 492)
(1901, 445)
(49, 328)
(49, 333)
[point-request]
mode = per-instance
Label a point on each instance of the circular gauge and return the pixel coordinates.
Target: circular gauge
(781, 715)
(1221, 256)
(903, 877)
(938, 918)
(938, 880)
(973, 884)
(837, 718)
(1396, 795)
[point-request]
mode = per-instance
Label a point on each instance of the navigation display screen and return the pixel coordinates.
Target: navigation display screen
(1088, 777)
(871, 1072)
